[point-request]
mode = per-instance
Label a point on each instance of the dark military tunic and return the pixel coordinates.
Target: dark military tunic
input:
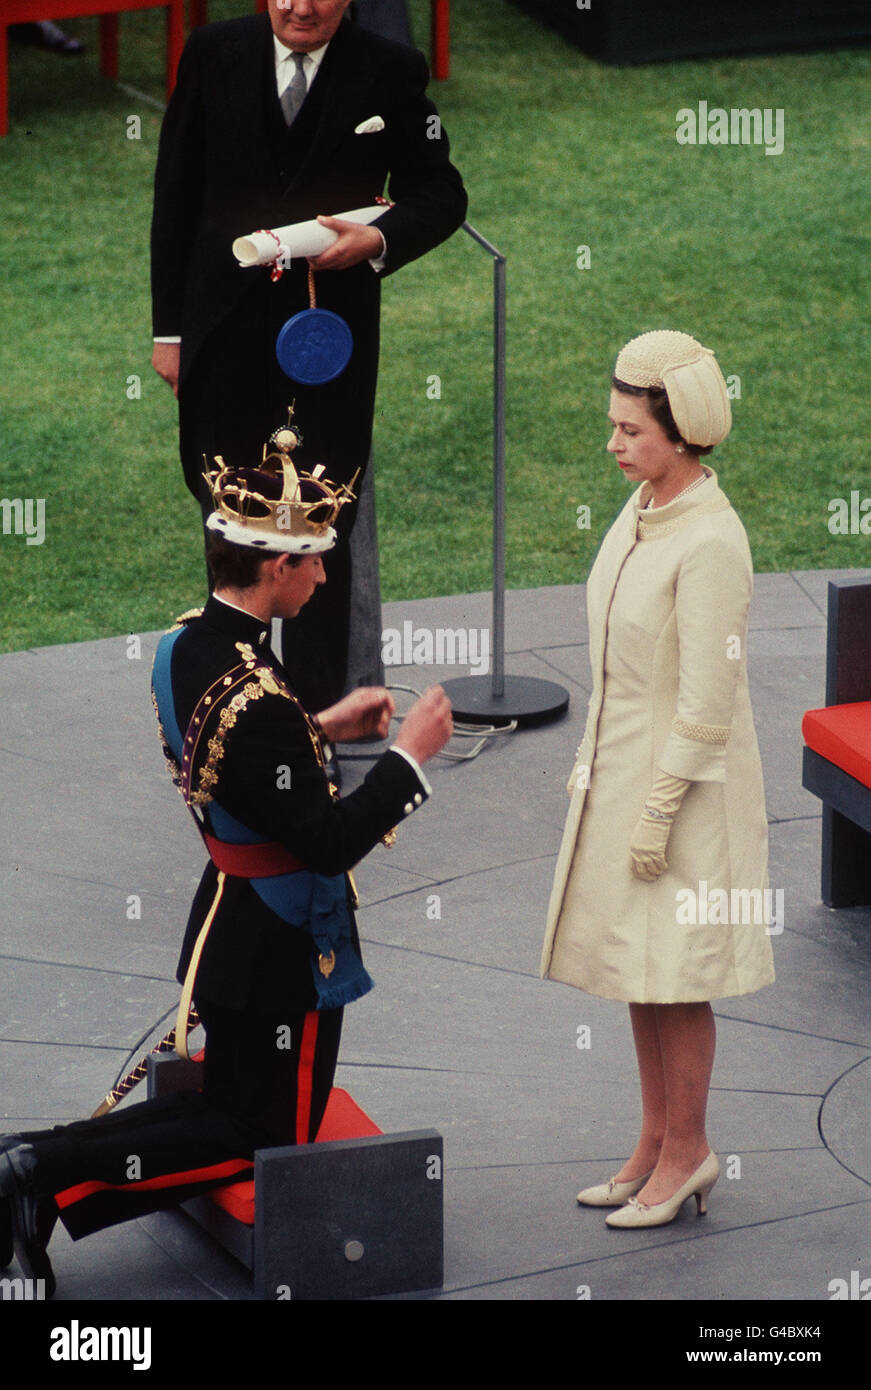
(270, 1052)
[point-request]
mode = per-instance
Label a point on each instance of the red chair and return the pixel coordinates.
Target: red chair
(440, 39)
(837, 753)
(31, 11)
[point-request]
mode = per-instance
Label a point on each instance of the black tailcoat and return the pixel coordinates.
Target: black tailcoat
(227, 166)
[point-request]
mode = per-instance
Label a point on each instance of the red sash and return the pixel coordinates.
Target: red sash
(252, 861)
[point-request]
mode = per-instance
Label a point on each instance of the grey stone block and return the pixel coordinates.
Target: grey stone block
(349, 1219)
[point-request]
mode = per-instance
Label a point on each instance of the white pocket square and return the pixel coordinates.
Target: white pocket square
(369, 127)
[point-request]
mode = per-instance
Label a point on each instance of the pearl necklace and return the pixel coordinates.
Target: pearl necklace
(650, 507)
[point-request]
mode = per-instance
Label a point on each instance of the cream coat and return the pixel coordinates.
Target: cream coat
(667, 601)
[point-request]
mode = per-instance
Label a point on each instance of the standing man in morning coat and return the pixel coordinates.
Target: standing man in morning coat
(235, 156)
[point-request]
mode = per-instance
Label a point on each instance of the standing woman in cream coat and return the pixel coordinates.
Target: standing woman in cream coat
(659, 892)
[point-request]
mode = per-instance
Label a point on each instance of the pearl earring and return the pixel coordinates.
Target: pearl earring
(680, 449)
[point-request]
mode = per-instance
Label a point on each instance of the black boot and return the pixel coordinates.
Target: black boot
(32, 1216)
(7, 1250)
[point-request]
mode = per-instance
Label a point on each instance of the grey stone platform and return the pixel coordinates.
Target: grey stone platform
(98, 862)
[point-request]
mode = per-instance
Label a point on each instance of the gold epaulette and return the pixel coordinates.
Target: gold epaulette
(185, 618)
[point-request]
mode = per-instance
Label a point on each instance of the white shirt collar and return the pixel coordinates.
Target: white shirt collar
(310, 68)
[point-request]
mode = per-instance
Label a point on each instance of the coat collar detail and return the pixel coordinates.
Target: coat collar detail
(661, 521)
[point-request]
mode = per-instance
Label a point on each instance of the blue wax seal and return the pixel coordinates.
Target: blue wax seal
(314, 347)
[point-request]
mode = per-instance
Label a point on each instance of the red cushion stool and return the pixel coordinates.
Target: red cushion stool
(343, 1119)
(836, 763)
(842, 735)
(358, 1214)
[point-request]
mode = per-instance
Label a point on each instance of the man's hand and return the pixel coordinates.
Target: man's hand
(357, 242)
(427, 726)
(165, 361)
(365, 711)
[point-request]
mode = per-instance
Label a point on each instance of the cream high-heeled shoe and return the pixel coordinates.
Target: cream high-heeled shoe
(636, 1214)
(611, 1194)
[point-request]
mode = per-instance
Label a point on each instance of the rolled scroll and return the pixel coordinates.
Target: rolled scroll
(299, 239)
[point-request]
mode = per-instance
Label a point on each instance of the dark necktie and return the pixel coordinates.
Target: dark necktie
(294, 94)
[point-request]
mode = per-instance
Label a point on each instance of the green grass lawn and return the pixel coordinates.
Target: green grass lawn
(765, 258)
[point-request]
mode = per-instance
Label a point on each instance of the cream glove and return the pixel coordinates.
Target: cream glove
(650, 836)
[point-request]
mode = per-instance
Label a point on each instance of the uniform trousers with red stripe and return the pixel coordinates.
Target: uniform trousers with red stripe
(266, 1081)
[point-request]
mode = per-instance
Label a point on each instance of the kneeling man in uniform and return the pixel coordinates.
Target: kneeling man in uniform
(271, 954)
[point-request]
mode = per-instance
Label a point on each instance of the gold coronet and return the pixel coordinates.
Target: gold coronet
(274, 504)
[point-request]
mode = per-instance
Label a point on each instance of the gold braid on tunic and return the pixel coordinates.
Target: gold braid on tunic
(228, 697)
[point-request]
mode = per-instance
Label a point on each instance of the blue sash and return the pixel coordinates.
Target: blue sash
(313, 902)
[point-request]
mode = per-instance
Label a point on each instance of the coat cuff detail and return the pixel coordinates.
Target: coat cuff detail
(693, 760)
(701, 733)
(414, 764)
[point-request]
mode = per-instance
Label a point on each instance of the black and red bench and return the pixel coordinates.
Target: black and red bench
(356, 1215)
(837, 754)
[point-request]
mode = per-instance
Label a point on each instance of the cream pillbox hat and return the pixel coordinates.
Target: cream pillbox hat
(690, 376)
